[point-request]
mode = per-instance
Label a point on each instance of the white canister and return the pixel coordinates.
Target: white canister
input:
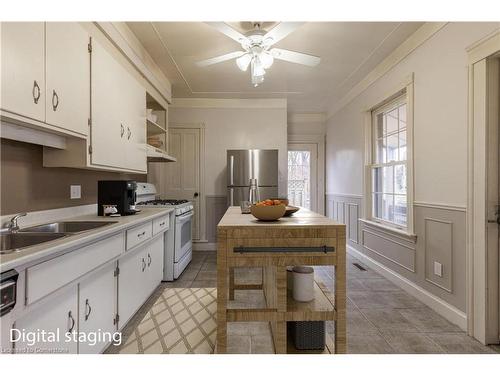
(303, 283)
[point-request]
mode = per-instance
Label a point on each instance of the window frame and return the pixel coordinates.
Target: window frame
(404, 93)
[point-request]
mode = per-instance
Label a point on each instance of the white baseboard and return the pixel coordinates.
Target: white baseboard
(204, 246)
(443, 308)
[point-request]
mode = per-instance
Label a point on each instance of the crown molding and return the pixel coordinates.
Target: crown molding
(302, 118)
(228, 103)
(420, 36)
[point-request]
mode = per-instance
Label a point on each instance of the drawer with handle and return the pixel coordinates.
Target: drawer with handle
(160, 224)
(139, 234)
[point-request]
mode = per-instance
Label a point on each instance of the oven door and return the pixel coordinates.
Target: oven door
(183, 235)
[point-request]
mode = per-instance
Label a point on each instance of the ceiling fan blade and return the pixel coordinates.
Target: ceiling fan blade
(295, 57)
(280, 31)
(218, 59)
(227, 30)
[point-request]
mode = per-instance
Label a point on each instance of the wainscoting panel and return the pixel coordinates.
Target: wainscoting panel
(399, 253)
(441, 238)
(438, 246)
(216, 207)
(346, 209)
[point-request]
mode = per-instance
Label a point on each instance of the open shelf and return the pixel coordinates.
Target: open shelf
(320, 308)
(154, 128)
(157, 155)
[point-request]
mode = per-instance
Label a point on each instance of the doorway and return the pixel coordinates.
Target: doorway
(183, 179)
(483, 224)
(303, 175)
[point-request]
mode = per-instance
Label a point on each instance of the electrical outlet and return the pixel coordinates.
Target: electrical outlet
(438, 269)
(75, 191)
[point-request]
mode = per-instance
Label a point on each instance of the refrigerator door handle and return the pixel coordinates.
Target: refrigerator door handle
(231, 171)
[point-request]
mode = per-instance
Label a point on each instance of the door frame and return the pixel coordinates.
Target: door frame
(319, 141)
(483, 299)
(202, 214)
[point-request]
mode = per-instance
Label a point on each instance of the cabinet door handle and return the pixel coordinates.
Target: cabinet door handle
(87, 308)
(122, 130)
(129, 133)
(36, 92)
(149, 259)
(162, 223)
(143, 265)
(70, 316)
(55, 98)
(141, 234)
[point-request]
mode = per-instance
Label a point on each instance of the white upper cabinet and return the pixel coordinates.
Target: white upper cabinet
(136, 127)
(67, 76)
(118, 114)
(23, 69)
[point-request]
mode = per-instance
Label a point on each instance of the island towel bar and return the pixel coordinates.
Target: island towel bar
(299, 249)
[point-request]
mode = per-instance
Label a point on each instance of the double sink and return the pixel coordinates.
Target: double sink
(11, 241)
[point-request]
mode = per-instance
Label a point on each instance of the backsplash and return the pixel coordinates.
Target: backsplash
(27, 186)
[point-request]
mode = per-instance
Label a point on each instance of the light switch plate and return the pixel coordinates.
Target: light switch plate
(438, 269)
(75, 191)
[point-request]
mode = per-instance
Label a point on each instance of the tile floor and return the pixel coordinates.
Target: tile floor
(381, 317)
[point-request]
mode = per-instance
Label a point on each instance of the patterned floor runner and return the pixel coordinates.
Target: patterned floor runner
(182, 320)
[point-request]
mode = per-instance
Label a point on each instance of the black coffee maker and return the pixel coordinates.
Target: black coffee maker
(119, 193)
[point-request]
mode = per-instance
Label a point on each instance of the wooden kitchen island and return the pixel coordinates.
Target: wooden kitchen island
(306, 238)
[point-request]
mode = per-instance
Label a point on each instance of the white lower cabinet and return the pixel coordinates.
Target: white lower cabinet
(140, 273)
(155, 262)
(97, 304)
(86, 310)
(132, 284)
(57, 315)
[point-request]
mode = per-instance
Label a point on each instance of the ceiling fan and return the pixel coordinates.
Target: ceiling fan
(257, 52)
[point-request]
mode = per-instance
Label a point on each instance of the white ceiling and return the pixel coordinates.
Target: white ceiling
(348, 51)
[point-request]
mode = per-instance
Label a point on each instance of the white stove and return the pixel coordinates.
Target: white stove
(178, 240)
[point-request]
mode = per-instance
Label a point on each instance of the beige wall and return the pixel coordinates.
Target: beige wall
(306, 124)
(236, 128)
(440, 167)
(27, 186)
(440, 130)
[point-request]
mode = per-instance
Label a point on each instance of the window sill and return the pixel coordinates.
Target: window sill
(390, 230)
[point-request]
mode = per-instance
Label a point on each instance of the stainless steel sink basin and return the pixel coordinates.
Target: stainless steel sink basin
(10, 242)
(67, 226)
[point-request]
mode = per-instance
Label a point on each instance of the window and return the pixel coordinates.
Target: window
(389, 167)
(299, 178)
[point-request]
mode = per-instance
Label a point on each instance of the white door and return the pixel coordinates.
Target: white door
(23, 68)
(133, 284)
(181, 180)
(67, 76)
(58, 314)
(303, 175)
(97, 304)
(155, 262)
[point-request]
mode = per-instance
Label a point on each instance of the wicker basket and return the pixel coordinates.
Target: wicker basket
(308, 335)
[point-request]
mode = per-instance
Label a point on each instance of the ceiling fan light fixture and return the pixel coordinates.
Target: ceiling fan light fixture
(257, 80)
(266, 59)
(257, 67)
(243, 61)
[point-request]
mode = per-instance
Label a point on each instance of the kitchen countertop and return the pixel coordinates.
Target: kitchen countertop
(302, 218)
(37, 253)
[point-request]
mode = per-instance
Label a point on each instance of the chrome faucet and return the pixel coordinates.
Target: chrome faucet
(13, 226)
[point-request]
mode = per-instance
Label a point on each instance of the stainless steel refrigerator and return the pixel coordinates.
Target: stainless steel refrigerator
(242, 165)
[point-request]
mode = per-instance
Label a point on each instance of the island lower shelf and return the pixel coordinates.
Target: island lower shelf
(321, 308)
